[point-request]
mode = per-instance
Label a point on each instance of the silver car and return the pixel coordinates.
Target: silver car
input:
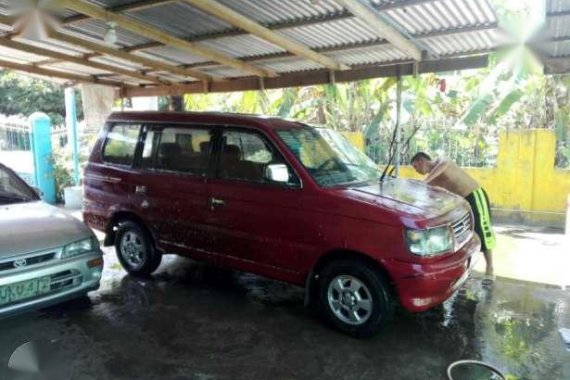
(46, 255)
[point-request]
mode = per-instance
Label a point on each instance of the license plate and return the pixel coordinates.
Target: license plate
(23, 290)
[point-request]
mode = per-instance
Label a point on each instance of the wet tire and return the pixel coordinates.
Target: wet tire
(135, 249)
(354, 298)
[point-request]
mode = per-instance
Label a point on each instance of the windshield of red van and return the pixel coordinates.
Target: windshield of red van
(329, 157)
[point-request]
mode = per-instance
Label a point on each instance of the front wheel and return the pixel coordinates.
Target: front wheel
(354, 297)
(135, 249)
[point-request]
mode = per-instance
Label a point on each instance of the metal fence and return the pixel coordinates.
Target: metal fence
(474, 147)
(16, 145)
(562, 158)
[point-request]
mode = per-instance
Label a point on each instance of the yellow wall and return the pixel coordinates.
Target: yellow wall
(524, 186)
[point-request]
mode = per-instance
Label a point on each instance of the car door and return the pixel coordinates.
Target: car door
(171, 188)
(257, 222)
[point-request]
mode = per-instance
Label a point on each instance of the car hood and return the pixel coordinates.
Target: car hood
(411, 198)
(36, 226)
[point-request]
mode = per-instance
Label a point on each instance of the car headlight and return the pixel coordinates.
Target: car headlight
(79, 247)
(429, 242)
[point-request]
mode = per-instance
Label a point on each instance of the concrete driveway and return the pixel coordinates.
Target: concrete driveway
(194, 321)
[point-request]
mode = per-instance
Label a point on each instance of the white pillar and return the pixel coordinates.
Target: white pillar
(398, 136)
(568, 219)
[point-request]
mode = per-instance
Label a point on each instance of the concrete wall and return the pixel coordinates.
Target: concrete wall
(524, 187)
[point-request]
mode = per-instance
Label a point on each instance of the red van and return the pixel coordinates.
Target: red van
(281, 199)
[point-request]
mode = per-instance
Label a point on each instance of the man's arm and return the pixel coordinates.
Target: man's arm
(437, 170)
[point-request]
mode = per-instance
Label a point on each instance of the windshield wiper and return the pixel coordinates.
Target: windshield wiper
(405, 148)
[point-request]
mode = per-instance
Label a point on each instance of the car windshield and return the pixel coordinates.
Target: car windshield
(13, 189)
(329, 157)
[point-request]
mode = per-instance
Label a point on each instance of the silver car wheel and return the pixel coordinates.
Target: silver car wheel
(349, 299)
(133, 249)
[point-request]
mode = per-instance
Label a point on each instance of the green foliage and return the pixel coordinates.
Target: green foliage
(23, 95)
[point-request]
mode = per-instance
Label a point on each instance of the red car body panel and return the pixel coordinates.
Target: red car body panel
(276, 231)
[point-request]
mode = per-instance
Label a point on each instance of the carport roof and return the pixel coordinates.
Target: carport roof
(553, 43)
(167, 47)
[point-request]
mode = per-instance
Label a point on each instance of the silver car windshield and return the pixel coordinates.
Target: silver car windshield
(13, 189)
(329, 157)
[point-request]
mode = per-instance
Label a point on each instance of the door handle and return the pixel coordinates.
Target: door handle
(215, 202)
(140, 190)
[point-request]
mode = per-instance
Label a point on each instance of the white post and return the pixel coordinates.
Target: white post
(568, 218)
(398, 146)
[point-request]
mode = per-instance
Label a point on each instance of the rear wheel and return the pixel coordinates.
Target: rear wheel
(354, 297)
(135, 249)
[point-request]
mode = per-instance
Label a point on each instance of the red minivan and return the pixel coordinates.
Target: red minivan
(281, 199)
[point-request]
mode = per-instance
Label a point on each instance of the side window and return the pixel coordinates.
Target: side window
(247, 156)
(121, 144)
(185, 150)
(149, 149)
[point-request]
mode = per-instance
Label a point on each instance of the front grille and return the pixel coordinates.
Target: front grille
(65, 280)
(462, 229)
(29, 261)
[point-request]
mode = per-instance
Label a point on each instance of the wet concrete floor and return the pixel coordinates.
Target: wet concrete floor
(195, 321)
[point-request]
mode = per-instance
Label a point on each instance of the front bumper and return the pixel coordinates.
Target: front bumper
(421, 286)
(69, 278)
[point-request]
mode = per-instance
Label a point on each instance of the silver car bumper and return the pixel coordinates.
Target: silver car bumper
(69, 278)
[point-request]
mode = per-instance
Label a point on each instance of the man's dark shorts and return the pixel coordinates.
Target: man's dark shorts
(479, 202)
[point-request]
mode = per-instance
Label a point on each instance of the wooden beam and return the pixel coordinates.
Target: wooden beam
(131, 7)
(78, 60)
(236, 19)
(57, 74)
(7, 20)
(106, 50)
(381, 28)
(315, 77)
(154, 33)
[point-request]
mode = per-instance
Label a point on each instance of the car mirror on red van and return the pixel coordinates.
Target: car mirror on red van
(277, 173)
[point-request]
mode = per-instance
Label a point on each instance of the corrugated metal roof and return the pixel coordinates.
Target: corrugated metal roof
(427, 17)
(558, 49)
(97, 29)
(170, 55)
(242, 46)
(19, 56)
(180, 19)
(557, 5)
(554, 40)
(74, 68)
(323, 25)
(465, 42)
(333, 33)
(368, 55)
(271, 11)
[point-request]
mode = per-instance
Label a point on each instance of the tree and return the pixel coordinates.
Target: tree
(24, 95)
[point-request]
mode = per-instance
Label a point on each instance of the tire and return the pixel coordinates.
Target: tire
(354, 298)
(135, 250)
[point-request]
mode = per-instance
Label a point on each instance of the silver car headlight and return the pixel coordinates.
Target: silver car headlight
(430, 241)
(80, 247)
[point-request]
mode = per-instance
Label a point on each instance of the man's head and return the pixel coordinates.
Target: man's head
(422, 163)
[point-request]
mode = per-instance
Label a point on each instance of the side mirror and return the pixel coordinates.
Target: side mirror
(277, 173)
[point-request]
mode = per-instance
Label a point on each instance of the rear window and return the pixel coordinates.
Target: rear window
(121, 144)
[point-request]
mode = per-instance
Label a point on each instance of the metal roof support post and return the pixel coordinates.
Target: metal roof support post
(398, 142)
(71, 121)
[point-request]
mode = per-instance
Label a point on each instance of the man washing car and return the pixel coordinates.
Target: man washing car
(448, 175)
